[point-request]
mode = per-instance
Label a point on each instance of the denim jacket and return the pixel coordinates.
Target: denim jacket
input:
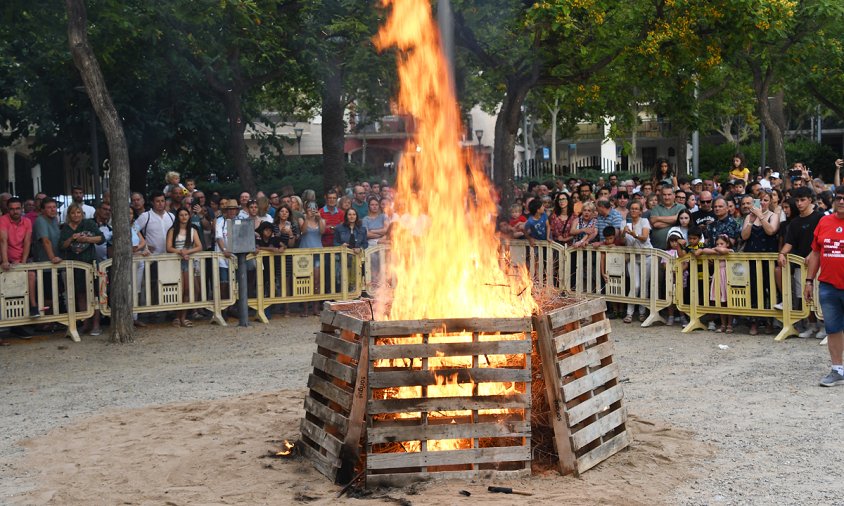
(343, 235)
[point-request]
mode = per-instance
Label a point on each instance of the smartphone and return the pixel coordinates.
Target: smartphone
(757, 203)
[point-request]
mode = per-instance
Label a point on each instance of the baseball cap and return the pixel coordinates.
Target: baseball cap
(775, 175)
(696, 181)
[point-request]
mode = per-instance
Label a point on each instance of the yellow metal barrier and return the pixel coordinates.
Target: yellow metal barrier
(161, 285)
(633, 276)
(745, 285)
(376, 261)
(305, 275)
(51, 282)
(545, 261)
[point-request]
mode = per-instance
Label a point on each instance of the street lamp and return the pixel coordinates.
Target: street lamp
(298, 132)
(480, 135)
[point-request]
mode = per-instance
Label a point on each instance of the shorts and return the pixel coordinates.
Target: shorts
(832, 304)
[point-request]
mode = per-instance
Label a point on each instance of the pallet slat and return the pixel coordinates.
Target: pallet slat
(582, 335)
(589, 382)
(591, 356)
(404, 479)
(603, 452)
(325, 440)
(377, 434)
(450, 457)
(595, 430)
(334, 368)
(576, 312)
(326, 465)
(338, 345)
(324, 413)
(594, 405)
(460, 375)
(516, 401)
(487, 325)
(330, 391)
(343, 321)
(398, 351)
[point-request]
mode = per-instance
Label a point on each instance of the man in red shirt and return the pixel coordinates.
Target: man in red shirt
(828, 255)
(332, 216)
(15, 241)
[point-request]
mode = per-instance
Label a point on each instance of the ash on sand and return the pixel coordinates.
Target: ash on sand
(753, 442)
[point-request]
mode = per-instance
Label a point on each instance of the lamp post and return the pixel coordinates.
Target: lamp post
(480, 135)
(298, 132)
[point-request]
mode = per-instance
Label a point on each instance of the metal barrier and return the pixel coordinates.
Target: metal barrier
(159, 283)
(746, 286)
(639, 276)
(55, 285)
(304, 275)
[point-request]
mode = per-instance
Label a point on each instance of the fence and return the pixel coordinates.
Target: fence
(47, 285)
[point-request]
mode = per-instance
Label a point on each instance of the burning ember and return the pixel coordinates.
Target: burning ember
(444, 261)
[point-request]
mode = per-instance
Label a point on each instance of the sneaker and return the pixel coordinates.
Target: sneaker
(832, 379)
(821, 333)
(711, 326)
(670, 321)
(778, 306)
(34, 312)
(809, 332)
(95, 332)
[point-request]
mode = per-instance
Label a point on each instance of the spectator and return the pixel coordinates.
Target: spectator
(374, 222)
(536, 226)
(230, 209)
(828, 256)
(177, 197)
(681, 226)
(722, 247)
(585, 229)
(608, 216)
(560, 220)
(15, 243)
(663, 217)
(637, 235)
(313, 236)
(78, 235)
(724, 224)
(76, 195)
(621, 202)
(264, 209)
(798, 241)
(286, 228)
(243, 201)
(332, 216)
(738, 170)
(137, 204)
(183, 239)
(759, 233)
(172, 180)
(155, 223)
(359, 203)
(102, 218)
(663, 174)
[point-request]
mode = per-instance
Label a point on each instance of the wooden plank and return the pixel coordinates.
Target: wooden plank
(343, 321)
(463, 375)
(603, 452)
(589, 382)
(326, 414)
(376, 461)
(592, 356)
(348, 305)
(598, 428)
(325, 465)
(357, 415)
(394, 351)
(401, 480)
(377, 434)
(325, 440)
(517, 401)
(338, 345)
(409, 327)
(330, 391)
(582, 335)
(334, 368)
(562, 433)
(594, 405)
(577, 312)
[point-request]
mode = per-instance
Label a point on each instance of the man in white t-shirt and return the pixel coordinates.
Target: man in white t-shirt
(221, 236)
(155, 223)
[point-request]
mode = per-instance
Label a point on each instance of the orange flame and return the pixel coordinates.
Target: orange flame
(444, 250)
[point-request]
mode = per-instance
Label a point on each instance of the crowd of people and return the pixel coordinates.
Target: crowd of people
(772, 212)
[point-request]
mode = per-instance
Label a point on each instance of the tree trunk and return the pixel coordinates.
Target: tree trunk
(120, 278)
(237, 143)
(682, 152)
(774, 121)
(506, 130)
(555, 111)
(333, 127)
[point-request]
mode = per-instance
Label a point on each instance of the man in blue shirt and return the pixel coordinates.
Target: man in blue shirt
(608, 216)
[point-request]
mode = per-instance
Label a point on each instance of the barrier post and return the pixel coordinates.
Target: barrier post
(694, 314)
(70, 297)
(788, 321)
(242, 291)
(215, 276)
(653, 294)
(259, 281)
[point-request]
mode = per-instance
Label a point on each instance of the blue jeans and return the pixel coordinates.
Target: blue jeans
(832, 304)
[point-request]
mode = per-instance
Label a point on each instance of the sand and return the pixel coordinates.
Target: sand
(186, 416)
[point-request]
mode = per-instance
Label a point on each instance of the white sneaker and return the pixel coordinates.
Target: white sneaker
(670, 321)
(821, 333)
(778, 306)
(809, 332)
(711, 326)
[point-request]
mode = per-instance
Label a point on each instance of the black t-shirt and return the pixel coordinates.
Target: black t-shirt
(801, 231)
(702, 219)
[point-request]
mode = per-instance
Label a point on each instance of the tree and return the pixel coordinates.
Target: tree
(122, 328)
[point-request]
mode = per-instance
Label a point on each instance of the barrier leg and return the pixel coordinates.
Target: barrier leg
(788, 321)
(218, 309)
(70, 295)
(653, 285)
(694, 316)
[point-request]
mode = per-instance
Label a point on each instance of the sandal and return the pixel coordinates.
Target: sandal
(642, 318)
(187, 323)
(754, 329)
(720, 330)
(729, 329)
(628, 319)
(176, 323)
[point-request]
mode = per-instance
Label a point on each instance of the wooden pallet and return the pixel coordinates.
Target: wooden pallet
(403, 434)
(581, 378)
(334, 407)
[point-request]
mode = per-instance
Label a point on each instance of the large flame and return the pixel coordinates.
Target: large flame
(444, 259)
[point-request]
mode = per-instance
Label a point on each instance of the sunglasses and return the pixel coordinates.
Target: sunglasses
(838, 198)
(705, 201)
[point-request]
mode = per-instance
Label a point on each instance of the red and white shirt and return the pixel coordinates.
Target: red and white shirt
(829, 243)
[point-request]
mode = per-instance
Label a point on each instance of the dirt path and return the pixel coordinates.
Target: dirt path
(182, 416)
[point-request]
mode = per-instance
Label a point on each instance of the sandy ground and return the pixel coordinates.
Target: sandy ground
(184, 416)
